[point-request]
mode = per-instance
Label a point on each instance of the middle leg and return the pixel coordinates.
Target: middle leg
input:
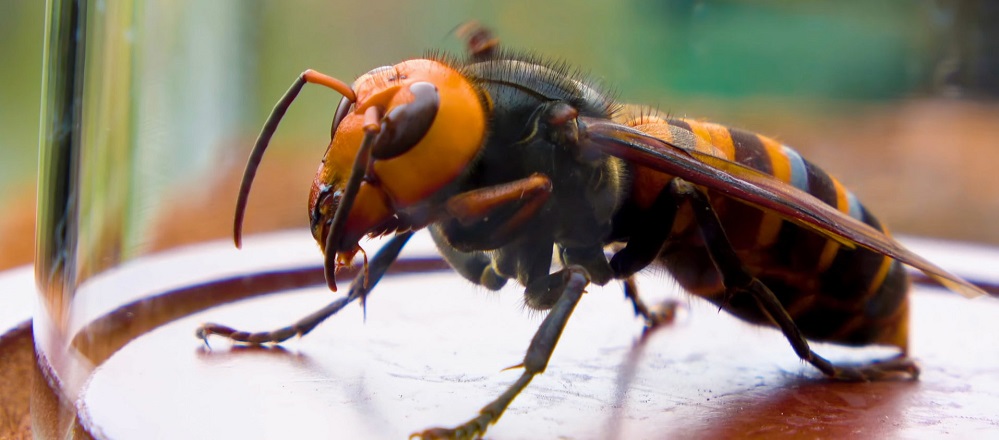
(574, 280)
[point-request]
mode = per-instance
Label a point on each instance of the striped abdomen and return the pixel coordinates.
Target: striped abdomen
(851, 296)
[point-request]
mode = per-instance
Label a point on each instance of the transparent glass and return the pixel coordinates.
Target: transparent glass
(141, 106)
(148, 112)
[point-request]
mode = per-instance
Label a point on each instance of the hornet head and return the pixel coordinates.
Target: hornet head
(400, 134)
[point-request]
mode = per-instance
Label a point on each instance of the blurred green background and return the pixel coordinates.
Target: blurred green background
(20, 89)
(781, 67)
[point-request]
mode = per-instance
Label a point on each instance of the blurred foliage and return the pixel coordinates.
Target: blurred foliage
(648, 51)
(660, 53)
(673, 54)
(21, 27)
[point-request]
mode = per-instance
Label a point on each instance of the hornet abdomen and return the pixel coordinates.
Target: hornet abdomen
(834, 293)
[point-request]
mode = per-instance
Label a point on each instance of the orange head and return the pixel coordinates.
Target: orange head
(401, 134)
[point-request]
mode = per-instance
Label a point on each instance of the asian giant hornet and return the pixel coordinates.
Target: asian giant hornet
(512, 163)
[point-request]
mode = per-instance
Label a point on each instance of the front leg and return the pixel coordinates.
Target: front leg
(363, 283)
(487, 219)
(490, 217)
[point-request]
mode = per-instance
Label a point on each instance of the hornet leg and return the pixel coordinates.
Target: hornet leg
(358, 290)
(487, 218)
(648, 237)
(535, 361)
(738, 280)
(654, 316)
(479, 40)
(643, 247)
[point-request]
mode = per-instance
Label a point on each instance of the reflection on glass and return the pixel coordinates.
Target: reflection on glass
(140, 101)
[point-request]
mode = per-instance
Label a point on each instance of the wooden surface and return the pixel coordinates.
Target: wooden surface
(433, 348)
(17, 300)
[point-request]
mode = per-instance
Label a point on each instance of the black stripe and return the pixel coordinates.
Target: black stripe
(868, 218)
(821, 185)
(749, 150)
(882, 306)
(890, 295)
(850, 275)
(852, 272)
(821, 321)
(742, 222)
(800, 249)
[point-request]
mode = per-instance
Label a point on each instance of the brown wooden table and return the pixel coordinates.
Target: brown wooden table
(432, 350)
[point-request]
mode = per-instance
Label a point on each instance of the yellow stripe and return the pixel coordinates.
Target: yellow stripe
(831, 247)
(898, 334)
(769, 230)
(713, 139)
(702, 138)
(879, 277)
(698, 128)
(842, 203)
(770, 224)
(827, 255)
(723, 139)
(778, 161)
